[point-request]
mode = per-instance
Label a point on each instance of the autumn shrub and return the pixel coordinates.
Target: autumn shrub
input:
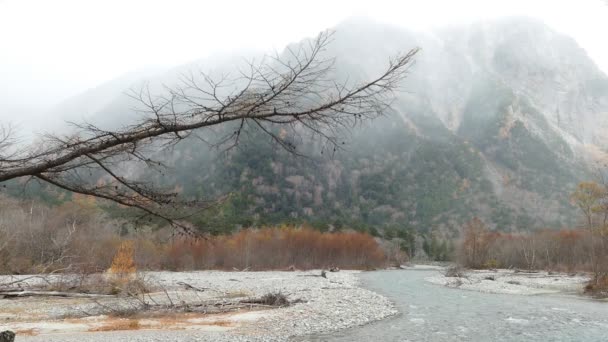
(277, 248)
(563, 250)
(71, 237)
(490, 264)
(77, 237)
(475, 245)
(274, 299)
(598, 286)
(123, 265)
(454, 271)
(394, 251)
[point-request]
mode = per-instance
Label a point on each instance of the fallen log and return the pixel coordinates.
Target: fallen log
(190, 287)
(16, 294)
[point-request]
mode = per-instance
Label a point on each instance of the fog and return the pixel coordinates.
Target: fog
(52, 50)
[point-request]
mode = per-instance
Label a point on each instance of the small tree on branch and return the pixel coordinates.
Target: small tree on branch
(285, 97)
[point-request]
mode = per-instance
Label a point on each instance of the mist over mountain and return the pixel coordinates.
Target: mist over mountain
(497, 119)
(87, 105)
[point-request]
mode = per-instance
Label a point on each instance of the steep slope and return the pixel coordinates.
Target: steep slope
(89, 105)
(497, 120)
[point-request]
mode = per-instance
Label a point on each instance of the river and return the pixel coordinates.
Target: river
(435, 313)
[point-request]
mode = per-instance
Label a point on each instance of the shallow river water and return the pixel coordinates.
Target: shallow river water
(435, 313)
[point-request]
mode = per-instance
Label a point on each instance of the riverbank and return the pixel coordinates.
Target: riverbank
(513, 282)
(321, 305)
(440, 314)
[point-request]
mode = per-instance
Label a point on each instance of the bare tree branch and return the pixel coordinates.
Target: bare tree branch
(284, 96)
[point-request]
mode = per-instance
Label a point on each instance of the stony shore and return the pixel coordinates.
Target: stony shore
(513, 282)
(325, 304)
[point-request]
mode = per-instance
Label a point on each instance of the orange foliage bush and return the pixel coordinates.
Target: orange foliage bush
(560, 250)
(277, 248)
(123, 264)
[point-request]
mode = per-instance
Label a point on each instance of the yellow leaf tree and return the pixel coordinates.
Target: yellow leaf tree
(589, 197)
(123, 264)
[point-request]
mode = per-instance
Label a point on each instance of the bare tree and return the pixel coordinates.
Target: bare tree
(475, 243)
(588, 197)
(283, 96)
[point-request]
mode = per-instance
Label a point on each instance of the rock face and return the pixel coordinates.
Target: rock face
(498, 120)
(7, 336)
(523, 106)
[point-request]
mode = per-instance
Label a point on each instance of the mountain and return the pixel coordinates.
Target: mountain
(89, 105)
(497, 119)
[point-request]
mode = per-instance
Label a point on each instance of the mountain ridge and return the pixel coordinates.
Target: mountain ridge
(499, 120)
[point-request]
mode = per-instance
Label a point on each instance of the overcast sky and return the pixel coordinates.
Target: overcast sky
(50, 50)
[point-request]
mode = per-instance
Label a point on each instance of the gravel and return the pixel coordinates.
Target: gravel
(511, 282)
(326, 305)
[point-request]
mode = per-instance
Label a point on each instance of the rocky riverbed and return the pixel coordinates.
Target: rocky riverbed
(322, 305)
(440, 314)
(513, 282)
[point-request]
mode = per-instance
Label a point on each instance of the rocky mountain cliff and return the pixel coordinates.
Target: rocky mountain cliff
(497, 119)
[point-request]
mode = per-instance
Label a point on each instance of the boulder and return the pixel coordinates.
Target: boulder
(7, 336)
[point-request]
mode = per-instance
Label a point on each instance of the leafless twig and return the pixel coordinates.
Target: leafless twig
(286, 97)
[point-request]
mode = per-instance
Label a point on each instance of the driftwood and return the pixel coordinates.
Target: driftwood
(517, 270)
(246, 269)
(20, 293)
(194, 288)
(277, 299)
(220, 307)
(323, 274)
(206, 307)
